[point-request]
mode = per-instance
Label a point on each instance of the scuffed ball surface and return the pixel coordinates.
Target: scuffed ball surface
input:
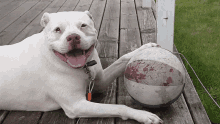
(153, 73)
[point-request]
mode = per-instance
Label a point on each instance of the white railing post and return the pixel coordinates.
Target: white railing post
(165, 23)
(146, 3)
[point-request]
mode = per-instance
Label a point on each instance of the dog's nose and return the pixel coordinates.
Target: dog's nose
(74, 41)
(73, 38)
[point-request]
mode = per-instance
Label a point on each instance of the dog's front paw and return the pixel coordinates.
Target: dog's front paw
(146, 117)
(149, 45)
(139, 50)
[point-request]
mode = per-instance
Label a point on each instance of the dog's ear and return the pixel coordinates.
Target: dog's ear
(88, 13)
(90, 16)
(45, 19)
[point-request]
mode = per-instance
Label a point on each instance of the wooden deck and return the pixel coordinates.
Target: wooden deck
(123, 26)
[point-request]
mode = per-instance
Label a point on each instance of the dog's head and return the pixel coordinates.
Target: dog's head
(70, 35)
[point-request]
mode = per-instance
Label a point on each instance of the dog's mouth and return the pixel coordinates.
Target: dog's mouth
(76, 58)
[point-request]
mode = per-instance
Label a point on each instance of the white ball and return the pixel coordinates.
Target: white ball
(155, 77)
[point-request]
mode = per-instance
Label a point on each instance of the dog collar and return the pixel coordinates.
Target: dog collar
(87, 71)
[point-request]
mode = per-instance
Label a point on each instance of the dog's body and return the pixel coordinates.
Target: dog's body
(45, 71)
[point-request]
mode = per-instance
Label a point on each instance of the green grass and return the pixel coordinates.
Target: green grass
(197, 37)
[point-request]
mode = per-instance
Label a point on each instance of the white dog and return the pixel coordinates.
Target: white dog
(45, 72)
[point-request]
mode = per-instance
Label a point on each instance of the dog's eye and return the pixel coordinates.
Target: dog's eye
(83, 25)
(57, 29)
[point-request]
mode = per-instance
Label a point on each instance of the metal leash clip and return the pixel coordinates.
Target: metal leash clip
(91, 63)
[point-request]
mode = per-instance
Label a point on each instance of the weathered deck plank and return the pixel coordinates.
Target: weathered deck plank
(3, 115)
(192, 99)
(56, 117)
(147, 23)
(97, 10)
(35, 27)
(69, 5)
(10, 7)
(153, 7)
(5, 2)
(83, 5)
(109, 32)
(10, 18)
(21, 117)
(16, 27)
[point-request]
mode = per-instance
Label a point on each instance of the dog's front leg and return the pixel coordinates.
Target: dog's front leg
(89, 109)
(71, 97)
(108, 75)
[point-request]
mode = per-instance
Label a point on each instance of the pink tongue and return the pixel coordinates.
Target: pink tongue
(76, 61)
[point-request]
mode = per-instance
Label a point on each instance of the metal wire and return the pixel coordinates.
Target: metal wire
(200, 81)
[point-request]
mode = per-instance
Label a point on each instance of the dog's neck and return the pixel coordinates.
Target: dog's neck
(91, 79)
